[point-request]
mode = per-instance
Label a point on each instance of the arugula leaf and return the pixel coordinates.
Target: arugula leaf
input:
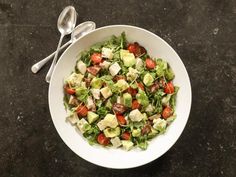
(172, 101)
(161, 67)
(102, 111)
(157, 101)
(169, 74)
(91, 134)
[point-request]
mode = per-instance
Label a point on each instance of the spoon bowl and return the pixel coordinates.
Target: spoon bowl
(82, 29)
(67, 20)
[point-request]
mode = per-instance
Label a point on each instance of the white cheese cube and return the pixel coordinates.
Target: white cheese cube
(105, 64)
(96, 93)
(102, 125)
(109, 121)
(127, 145)
(106, 92)
(114, 69)
(135, 115)
(75, 79)
(150, 108)
(139, 63)
(159, 124)
(73, 118)
(81, 66)
(116, 142)
(90, 103)
(119, 100)
(107, 53)
(132, 74)
(83, 125)
(83, 84)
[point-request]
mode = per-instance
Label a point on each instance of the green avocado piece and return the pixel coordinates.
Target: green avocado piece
(148, 79)
(92, 117)
(112, 132)
(96, 83)
(127, 57)
(127, 100)
(136, 132)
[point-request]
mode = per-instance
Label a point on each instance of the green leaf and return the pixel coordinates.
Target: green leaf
(172, 101)
(102, 111)
(142, 98)
(82, 94)
(169, 74)
(161, 67)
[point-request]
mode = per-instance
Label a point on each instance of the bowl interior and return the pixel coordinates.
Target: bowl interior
(109, 157)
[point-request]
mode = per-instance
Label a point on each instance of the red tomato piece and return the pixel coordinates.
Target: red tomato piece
(167, 112)
(96, 58)
(169, 88)
(132, 91)
(126, 136)
(121, 119)
(136, 49)
(140, 85)
(70, 91)
(132, 48)
(135, 104)
(102, 139)
(82, 110)
(150, 64)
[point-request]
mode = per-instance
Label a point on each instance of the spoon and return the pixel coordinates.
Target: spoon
(79, 31)
(65, 24)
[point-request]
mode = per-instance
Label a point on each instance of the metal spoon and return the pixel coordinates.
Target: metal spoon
(65, 24)
(79, 31)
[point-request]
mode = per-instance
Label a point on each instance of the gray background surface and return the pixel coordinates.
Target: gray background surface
(203, 34)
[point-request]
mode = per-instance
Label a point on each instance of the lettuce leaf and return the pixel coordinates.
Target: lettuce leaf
(142, 98)
(82, 94)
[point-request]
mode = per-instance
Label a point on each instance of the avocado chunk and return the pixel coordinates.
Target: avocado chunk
(127, 100)
(112, 132)
(96, 83)
(136, 132)
(92, 117)
(128, 58)
(108, 104)
(122, 85)
(148, 79)
(127, 145)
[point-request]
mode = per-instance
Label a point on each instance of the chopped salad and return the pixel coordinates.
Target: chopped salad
(120, 96)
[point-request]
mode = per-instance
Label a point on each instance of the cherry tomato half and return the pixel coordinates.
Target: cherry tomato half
(135, 104)
(169, 88)
(96, 58)
(126, 136)
(167, 112)
(150, 64)
(121, 119)
(82, 110)
(102, 139)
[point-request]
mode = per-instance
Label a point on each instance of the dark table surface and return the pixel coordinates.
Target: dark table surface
(203, 34)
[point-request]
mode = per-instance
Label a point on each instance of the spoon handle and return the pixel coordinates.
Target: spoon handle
(51, 69)
(37, 66)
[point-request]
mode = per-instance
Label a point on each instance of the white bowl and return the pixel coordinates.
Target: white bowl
(109, 157)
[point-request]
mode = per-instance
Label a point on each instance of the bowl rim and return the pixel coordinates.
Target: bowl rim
(188, 110)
